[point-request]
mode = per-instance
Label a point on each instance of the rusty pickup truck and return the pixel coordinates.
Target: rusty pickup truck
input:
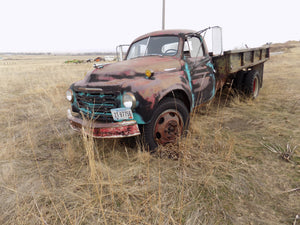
(164, 76)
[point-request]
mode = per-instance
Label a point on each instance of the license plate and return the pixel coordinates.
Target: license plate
(120, 114)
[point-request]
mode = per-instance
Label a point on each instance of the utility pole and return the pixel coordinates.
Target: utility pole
(163, 14)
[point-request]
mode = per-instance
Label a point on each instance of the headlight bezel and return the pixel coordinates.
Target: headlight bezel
(70, 95)
(129, 100)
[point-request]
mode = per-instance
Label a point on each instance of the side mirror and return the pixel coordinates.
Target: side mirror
(121, 51)
(217, 42)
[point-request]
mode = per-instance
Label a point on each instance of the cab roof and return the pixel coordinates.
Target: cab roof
(164, 32)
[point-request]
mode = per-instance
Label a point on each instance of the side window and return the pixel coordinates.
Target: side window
(193, 47)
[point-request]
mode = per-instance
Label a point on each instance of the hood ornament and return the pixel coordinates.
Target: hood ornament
(100, 66)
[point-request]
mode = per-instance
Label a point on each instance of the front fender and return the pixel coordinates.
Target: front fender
(149, 92)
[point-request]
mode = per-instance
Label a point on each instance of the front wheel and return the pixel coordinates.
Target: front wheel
(169, 121)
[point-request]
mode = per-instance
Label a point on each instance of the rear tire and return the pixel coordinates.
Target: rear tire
(252, 84)
(238, 82)
(169, 121)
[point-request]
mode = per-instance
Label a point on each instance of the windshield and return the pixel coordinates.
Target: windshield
(159, 45)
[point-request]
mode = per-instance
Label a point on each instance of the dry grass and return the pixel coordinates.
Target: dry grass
(221, 173)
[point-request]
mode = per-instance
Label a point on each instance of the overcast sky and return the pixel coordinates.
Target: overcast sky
(100, 25)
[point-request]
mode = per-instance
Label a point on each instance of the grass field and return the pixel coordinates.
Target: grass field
(239, 164)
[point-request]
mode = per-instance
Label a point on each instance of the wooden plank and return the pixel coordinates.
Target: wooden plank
(236, 60)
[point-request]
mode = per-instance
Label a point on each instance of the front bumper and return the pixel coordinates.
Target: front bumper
(104, 130)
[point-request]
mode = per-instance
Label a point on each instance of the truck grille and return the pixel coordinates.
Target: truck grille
(97, 106)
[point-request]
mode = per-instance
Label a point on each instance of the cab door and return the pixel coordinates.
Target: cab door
(199, 70)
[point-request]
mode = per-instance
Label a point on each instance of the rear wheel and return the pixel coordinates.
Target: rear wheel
(239, 81)
(252, 84)
(169, 121)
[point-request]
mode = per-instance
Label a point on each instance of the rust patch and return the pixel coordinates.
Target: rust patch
(105, 130)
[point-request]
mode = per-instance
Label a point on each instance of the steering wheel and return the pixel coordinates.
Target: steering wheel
(170, 51)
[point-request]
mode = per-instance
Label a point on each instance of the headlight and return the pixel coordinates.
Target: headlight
(129, 100)
(69, 95)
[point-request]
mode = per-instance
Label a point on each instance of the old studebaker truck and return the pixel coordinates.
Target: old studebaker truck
(164, 77)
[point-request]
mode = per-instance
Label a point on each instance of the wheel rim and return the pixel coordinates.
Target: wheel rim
(168, 127)
(255, 87)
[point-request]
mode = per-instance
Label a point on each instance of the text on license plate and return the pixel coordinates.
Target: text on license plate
(121, 114)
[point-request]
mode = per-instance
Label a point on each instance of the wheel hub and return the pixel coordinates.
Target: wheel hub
(168, 127)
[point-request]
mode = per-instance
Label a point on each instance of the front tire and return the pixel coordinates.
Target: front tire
(169, 121)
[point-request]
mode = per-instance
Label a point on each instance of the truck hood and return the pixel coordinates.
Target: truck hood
(130, 69)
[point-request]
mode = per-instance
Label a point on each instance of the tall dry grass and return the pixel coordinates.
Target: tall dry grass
(221, 173)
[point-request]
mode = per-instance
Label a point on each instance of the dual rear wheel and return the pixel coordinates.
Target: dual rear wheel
(252, 84)
(248, 83)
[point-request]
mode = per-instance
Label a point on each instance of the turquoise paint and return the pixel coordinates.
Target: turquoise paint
(94, 113)
(137, 117)
(74, 103)
(88, 94)
(90, 105)
(188, 73)
(119, 98)
(212, 75)
(201, 39)
(210, 65)
(213, 92)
